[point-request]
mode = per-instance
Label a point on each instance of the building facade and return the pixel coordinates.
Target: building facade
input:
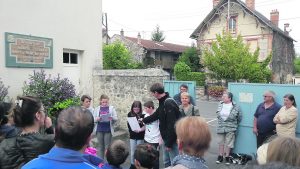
(60, 37)
(256, 30)
(151, 53)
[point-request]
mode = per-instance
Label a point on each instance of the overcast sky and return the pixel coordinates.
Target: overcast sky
(179, 18)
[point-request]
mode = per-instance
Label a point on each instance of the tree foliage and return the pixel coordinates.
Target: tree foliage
(117, 56)
(230, 59)
(183, 72)
(158, 35)
(191, 57)
(297, 65)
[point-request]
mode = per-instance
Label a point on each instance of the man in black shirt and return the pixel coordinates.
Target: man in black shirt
(167, 113)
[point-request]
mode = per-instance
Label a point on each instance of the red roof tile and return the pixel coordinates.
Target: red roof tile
(161, 46)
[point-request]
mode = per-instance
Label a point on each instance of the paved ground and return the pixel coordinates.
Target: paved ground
(207, 110)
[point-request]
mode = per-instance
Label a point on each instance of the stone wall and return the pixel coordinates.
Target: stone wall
(125, 86)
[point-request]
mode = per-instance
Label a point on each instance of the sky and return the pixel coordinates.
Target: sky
(179, 18)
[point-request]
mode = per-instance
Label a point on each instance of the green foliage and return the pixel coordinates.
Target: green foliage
(157, 35)
(297, 65)
(148, 61)
(50, 89)
(183, 72)
(191, 57)
(216, 91)
(116, 56)
(230, 59)
(58, 106)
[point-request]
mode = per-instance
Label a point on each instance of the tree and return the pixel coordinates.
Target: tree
(297, 65)
(157, 35)
(116, 56)
(191, 57)
(230, 59)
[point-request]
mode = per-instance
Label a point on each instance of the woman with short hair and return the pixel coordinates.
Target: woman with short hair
(186, 108)
(193, 139)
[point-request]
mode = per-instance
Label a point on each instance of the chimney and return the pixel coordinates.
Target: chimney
(122, 33)
(286, 28)
(274, 17)
(250, 4)
(215, 3)
(139, 38)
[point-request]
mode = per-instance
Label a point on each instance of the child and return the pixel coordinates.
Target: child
(152, 133)
(116, 154)
(145, 156)
(136, 137)
(105, 116)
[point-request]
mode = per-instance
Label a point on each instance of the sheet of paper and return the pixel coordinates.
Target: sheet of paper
(134, 124)
(105, 117)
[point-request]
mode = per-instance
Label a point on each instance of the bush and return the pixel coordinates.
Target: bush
(59, 106)
(181, 70)
(183, 73)
(199, 77)
(3, 91)
(216, 91)
(49, 89)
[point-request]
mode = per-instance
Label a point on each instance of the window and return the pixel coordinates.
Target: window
(70, 58)
(232, 24)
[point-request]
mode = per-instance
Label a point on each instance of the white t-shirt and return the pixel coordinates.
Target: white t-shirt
(152, 133)
(225, 110)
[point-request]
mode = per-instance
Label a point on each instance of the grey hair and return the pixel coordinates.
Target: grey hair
(271, 93)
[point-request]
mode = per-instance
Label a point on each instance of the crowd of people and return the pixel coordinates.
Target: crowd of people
(28, 139)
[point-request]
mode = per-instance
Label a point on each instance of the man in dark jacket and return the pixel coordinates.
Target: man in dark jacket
(167, 113)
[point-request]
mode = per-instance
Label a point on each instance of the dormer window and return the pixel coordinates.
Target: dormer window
(232, 24)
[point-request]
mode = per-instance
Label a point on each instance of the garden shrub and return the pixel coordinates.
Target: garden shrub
(183, 73)
(58, 106)
(50, 89)
(216, 91)
(3, 90)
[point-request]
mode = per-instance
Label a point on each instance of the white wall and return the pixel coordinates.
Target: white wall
(72, 24)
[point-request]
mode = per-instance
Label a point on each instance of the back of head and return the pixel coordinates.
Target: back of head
(157, 87)
(149, 104)
(146, 155)
(193, 135)
(272, 165)
(117, 152)
(74, 127)
(25, 110)
(285, 150)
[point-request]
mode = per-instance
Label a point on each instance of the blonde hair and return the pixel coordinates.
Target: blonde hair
(285, 150)
(193, 132)
(185, 94)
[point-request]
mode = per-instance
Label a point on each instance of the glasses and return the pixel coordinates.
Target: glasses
(267, 96)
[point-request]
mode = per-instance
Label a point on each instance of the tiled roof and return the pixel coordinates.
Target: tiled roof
(159, 46)
(257, 14)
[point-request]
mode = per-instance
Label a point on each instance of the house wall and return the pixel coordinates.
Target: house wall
(254, 33)
(282, 59)
(125, 86)
(165, 59)
(138, 52)
(69, 25)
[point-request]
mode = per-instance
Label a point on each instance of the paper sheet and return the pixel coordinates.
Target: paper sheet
(105, 117)
(134, 124)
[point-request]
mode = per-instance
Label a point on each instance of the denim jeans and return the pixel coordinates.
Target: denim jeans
(133, 144)
(104, 139)
(170, 155)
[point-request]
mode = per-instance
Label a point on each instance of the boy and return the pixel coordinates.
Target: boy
(145, 156)
(152, 133)
(116, 154)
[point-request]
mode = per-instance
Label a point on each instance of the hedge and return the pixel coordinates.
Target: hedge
(183, 73)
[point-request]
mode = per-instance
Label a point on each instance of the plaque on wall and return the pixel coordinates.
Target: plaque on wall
(28, 51)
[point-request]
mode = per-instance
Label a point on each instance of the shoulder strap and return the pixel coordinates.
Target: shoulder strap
(193, 112)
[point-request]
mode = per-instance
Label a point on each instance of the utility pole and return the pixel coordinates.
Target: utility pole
(106, 27)
(228, 15)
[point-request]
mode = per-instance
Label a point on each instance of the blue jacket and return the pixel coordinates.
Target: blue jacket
(61, 158)
(188, 162)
